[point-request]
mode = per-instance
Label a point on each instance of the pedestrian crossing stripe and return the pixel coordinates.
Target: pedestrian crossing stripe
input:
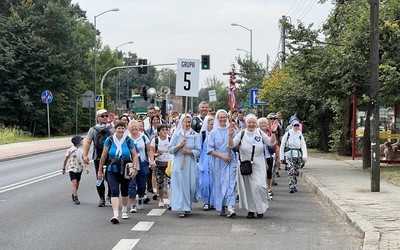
(143, 226)
(125, 244)
(156, 212)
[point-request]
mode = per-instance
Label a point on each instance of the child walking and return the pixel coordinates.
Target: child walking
(75, 165)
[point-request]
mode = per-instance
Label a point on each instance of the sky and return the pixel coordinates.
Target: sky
(164, 30)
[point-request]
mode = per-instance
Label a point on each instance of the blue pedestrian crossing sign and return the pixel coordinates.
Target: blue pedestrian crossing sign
(99, 101)
(47, 96)
(254, 98)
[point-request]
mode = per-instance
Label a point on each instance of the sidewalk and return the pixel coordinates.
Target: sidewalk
(347, 189)
(24, 149)
(341, 184)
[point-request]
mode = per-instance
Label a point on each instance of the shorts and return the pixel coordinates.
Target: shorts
(75, 176)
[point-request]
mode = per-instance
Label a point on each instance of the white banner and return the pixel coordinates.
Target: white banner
(212, 95)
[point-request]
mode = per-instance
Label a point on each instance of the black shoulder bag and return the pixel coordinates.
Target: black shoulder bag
(246, 167)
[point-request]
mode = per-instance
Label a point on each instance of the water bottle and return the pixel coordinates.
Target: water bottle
(98, 182)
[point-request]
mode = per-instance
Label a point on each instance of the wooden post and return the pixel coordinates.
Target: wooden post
(184, 133)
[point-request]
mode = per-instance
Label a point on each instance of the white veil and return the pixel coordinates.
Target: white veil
(216, 122)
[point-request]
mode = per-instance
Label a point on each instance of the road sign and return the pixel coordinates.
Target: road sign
(254, 98)
(99, 101)
(170, 105)
(88, 99)
(187, 77)
(212, 95)
(47, 96)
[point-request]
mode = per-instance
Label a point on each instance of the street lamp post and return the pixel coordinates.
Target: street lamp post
(247, 52)
(117, 91)
(116, 48)
(251, 38)
(95, 58)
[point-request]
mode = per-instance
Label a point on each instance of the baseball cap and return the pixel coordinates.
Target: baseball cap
(272, 116)
(295, 122)
(76, 139)
(101, 111)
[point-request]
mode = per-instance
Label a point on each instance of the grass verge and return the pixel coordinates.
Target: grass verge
(389, 172)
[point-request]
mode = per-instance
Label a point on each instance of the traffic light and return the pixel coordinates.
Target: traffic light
(127, 104)
(205, 61)
(142, 70)
(144, 93)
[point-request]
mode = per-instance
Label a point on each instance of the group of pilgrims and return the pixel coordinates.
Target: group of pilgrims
(204, 164)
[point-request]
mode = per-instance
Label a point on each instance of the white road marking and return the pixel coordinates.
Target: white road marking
(143, 226)
(29, 181)
(125, 244)
(156, 212)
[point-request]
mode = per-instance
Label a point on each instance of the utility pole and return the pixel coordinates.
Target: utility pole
(267, 64)
(374, 57)
(282, 53)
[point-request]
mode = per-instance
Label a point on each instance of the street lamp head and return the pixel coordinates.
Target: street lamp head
(234, 24)
(115, 9)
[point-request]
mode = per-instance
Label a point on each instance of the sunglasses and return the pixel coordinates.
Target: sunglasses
(102, 116)
(296, 125)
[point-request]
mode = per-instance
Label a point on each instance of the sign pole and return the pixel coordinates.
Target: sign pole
(47, 97)
(184, 132)
(48, 120)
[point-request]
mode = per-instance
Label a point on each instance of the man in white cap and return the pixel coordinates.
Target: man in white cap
(158, 113)
(98, 134)
(150, 113)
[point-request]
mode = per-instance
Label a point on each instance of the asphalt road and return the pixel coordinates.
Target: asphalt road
(36, 212)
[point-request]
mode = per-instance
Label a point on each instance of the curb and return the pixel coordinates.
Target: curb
(25, 155)
(364, 229)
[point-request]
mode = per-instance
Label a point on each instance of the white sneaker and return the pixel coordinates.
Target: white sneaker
(115, 219)
(133, 209)
(125, 215)
(231, 212)
(160, 204)
(140, 203)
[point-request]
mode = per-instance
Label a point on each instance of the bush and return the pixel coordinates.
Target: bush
(15, 134)
(334, 140)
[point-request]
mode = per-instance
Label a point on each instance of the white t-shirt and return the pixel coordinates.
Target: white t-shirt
(163, 148)
(141, 146)
(146, 123)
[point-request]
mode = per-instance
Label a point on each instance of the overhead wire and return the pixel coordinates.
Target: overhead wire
(308, 8)
(297, 9)
(292, 6)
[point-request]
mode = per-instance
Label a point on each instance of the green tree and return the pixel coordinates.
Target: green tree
(42, 46)
(253, 74)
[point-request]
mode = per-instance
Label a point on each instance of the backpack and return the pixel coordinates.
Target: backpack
(99, 139)
(286, 148)
(197, 124)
